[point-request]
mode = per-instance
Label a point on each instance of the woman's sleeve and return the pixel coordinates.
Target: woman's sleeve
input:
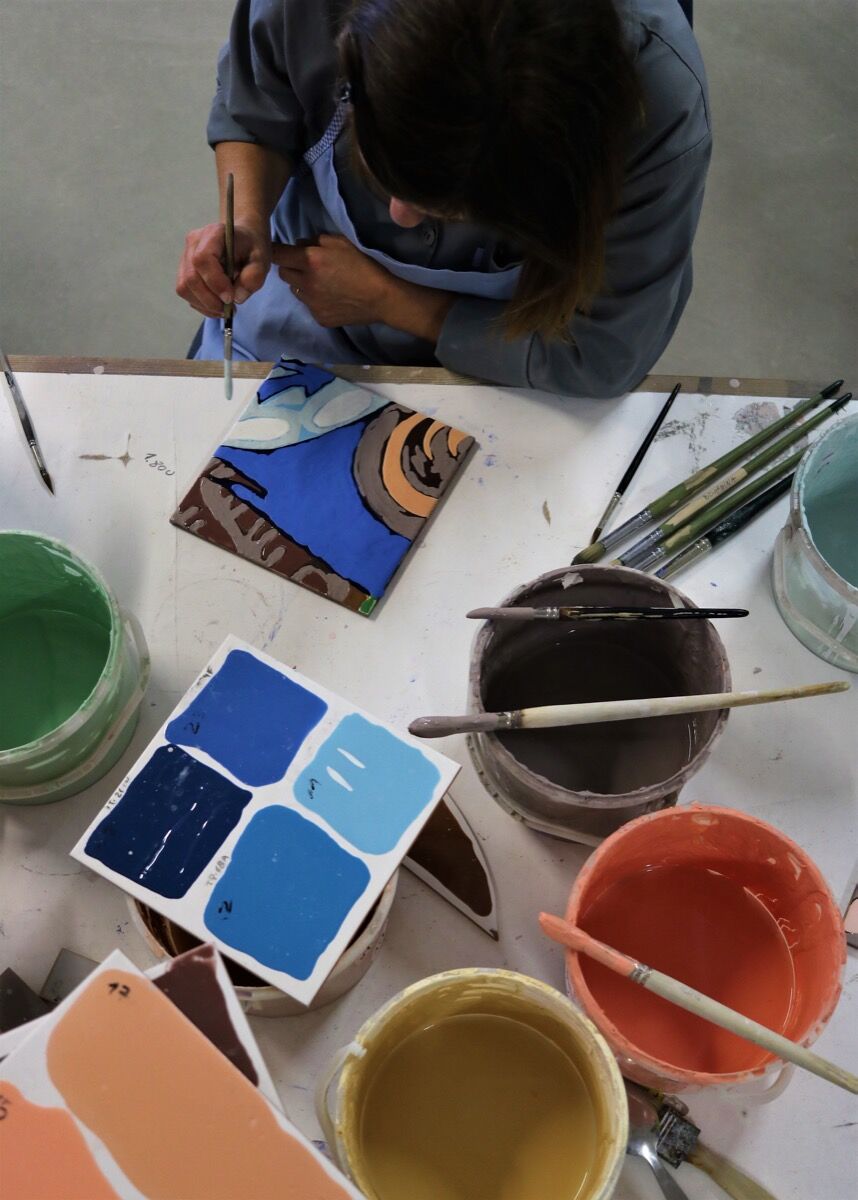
(648, 281)
(254, 101)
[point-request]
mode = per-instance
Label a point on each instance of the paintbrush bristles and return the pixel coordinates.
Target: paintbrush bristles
(692, 1001)
(552, 716)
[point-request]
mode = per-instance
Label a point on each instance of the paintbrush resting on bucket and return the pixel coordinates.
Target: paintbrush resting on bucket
(551, 715)
(606, 612)
(732, 524)
(229, 309)
(631, 470)
(710, 494)
(675, 496)
(695, 1002)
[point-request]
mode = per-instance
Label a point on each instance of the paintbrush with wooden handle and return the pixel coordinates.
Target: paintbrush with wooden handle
(550, 715)
(229, 309)
(603, 612)
(692, 1001)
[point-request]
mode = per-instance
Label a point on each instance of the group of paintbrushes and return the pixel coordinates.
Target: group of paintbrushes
(708, 507)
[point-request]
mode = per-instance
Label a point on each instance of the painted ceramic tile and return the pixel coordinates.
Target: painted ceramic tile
(267, 815)
(325, 483)
(126, 1091)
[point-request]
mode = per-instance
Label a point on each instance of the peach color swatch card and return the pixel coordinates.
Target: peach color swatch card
(118, 1096)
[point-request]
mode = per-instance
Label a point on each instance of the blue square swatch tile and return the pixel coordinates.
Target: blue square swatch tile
(368, 784)
(286, 892)
(169, 824)
(249, 718)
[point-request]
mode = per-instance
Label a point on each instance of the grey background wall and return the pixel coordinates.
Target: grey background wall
(104, 166)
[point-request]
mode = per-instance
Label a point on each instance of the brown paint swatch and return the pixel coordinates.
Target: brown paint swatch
(43, 1154)
(176, 1117)
(190, 982)
(444, 850)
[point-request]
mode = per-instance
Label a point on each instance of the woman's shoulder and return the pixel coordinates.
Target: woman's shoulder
(673, 80)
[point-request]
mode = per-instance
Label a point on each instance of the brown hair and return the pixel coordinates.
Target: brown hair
(514, 114)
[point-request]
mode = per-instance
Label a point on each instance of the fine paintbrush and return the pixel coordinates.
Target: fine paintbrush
(553, 715)
(229, 309)
(631, 470)
(708, 518)
(725, 529)
(682, 491)
(26, 422)
(618, 612)
(692, 1001)
(683, 515)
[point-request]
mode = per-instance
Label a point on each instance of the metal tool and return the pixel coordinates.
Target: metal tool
(643, 1140)
(677, 1141)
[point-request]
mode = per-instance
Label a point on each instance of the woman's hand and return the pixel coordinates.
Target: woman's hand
(201, 278)
(342, 286)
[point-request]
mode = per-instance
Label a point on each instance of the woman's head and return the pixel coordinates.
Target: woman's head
(514, 114)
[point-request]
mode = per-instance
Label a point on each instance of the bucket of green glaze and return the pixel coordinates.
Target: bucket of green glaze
(815, 566)
(73, 670)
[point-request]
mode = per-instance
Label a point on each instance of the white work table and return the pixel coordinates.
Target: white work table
(525, 503)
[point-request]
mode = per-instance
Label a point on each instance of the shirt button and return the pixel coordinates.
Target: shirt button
(430, 235)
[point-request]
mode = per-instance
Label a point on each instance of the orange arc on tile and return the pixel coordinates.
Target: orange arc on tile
(176, 1116)
(43, 1154)
(393, 477)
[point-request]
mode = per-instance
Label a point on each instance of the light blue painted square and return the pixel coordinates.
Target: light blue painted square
(368, 784)
(286, 892)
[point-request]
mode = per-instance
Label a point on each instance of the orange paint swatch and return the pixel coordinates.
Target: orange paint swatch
(43, 1154)
(176, 1116)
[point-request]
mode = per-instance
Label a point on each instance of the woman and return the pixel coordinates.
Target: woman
(509, 188)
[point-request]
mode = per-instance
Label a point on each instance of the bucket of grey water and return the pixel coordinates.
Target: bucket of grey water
(815, 565)
(581, 783)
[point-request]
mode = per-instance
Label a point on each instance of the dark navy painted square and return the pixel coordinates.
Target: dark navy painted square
(169, 824)
(249, 718)
(286, 892)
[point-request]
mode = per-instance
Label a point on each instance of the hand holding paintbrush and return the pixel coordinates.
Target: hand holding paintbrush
(229, 266)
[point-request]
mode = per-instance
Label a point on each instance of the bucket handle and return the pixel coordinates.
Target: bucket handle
(324, 1114)
(766, 1095)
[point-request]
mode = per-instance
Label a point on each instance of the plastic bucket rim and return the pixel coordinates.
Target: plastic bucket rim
(268, 992)
(598, 800)
(612, 1079)
(575, 977)
(836, 653)
(103, 686)
(798, 515)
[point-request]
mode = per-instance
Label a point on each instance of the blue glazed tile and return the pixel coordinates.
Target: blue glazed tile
(249, 718)
(169, 823)
(368, 784)
(286, 892)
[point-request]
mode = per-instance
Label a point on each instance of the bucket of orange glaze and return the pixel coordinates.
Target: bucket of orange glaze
(728, 905)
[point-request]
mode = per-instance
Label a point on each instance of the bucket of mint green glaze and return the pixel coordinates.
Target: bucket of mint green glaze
(815, 566)
(73, 670)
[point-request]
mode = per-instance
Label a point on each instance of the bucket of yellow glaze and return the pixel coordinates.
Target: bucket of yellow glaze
(73, 670)
(477, 1084)
(727, 904)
